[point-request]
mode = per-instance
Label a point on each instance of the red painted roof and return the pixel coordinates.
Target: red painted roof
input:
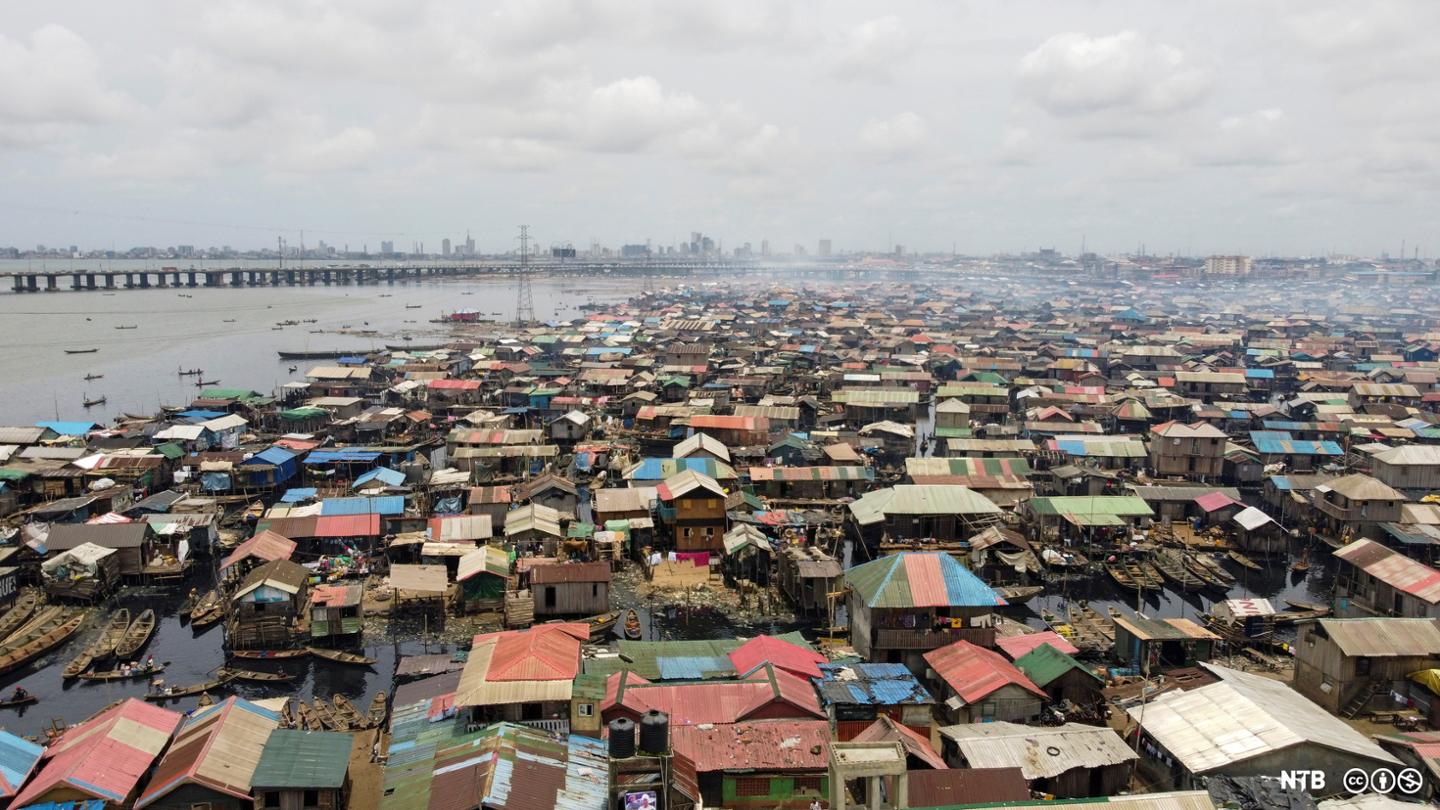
(724, 421)
(1016, 646)
(784, 655)
(802, 745)
(347, 525)
(712, 701)
(267, 545)
(545, 652)
(927, 584)
(1214, 500)
(887, 730)
(107, 756)
(975, 672)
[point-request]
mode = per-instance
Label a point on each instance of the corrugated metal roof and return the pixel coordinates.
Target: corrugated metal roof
(962, 786)
(218, 748)
(920, 499)
(266, 545)
(1244, 716)
(106, 757)
(382, 505)
(303, 759)
(713, 701)
(832, 473)
(772, 745)
(1377, 637)
(919, 579)
(1044, 664)
(1393, 568)
(18, 757)
(884, 729)
(975, 672)
(1012, 745)
(792, 658)
(1085, 505)
(870, 685)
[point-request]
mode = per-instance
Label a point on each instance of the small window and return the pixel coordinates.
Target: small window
(259, 607)
(585, 709)
(312, 798)
(595, 589)
(1362, 666)
(752, 786)
(550, 596)
(272, 798)
(807, 784)
(200, 806)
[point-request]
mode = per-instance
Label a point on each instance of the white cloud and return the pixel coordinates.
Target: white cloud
(55, 77)
(871, 50)
(894, 138)
(1261, 138)
(1074, 74)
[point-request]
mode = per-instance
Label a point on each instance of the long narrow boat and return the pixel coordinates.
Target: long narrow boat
(256, 677)
(209, 610)
(268, 655)
(1173, 567)
(14, 703)
(19, 613)
(42, 642)
(78, 664)
(136, 673)
(632, 624)
(1019, 594)
(325, 713)
(341, 657)
(1209, 572)
(1243, 560)
(172, 692)
(104, 646)
(602, 624)
(345, 713)
(306, 718)
(188, 606)
(376, 715)
(137, 635)
(287, 715)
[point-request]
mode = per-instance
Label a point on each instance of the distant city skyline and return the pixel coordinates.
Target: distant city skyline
(1232, 128)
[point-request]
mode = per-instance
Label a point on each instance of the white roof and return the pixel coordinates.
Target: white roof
(1012, 745)
(702, 441)
(227, 422)
(1242, 717)
(1251, 518)
(184, 433)
(464, 527)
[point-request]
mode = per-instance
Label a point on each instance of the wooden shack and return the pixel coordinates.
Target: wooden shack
(131, 541)
(571, 589)
(303, 770)
(266, 606)
(482, 576)
(808, 575)
(335, 616)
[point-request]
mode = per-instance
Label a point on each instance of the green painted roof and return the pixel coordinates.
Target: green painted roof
(303, 759)
(298, 414)
(1119, 505)
(229, 393)
(1044, 664)
(170, 450)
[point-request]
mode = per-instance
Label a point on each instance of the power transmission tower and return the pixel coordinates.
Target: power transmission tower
(524, 295)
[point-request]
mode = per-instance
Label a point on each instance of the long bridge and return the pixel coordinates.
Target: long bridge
(26, 281)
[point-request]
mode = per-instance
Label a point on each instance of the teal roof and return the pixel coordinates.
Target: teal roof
(303, 759)
(1044, 664)
(919, 579)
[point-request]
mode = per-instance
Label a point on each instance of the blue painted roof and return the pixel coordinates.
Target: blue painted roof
(387, 476)
(870, 685)
(299, 494)
(273, 455)
(1260, 373)
(694, 668)
(333, 456)
(200, 415)
(17, 758)
(68, 428)
(1280, 442)
(351, 360)
(384, 505)
(653, 469)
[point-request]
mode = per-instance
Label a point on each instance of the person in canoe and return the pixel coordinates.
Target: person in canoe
(150, 664)
(19, 694)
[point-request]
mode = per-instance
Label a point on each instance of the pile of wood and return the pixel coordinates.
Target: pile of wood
(519, 609)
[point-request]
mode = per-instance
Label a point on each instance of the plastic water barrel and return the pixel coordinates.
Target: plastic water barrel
(655, 732)
(622, 738)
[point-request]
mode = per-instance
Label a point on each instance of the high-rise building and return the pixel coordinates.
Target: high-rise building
(824, 247)
(387, 247)
(765, 247)
(445, 248)
(469, 245)
(1227, 266)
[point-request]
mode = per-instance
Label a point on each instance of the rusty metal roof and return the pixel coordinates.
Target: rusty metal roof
(1394, 569)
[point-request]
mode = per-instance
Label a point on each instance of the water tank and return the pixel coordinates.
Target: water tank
(622, 738)
(655, 732)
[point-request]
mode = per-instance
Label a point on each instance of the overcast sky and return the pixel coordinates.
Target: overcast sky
(1247, 127)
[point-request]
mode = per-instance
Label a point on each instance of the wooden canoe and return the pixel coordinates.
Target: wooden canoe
(268, 655)
(1122, 576)
(632, 624)
(19, 613)
(341, 657)
(78, 664)
(13, 703)
(376, 716)
(136, 673)
(256, 677)
(1243, 560)
(209, 610)
(1019, 594)
(345, 713)
(287, 715)
(137, 636)
(41, 642)
(165, 693)
(325, 713)
(602, 624)
(306, 717)
(1173, 567)
(188, 606)
(114, 633)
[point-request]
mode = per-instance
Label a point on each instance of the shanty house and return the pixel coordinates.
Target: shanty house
(1354, 505)
(1196, 452)
(1149, 644)
(1060, 676)
(571, 589)
(212, 758)
(1069, 761)
(1351, 665)
(760, 765)
(809, 575)
(132, 542)
(1374, 580)
(523, 676)
(1249, 725)
(856, 695)
(906, 604)
(335, 615)
(694, 506)
(303, 770)
(482, 576)
(267, 604)
(104, 758)
(977, 685)
(942, 512)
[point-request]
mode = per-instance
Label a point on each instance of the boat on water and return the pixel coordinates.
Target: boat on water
(306, 718)
(130, 326)
(325, 713)
(19, 613)
(1302, 565)
(287, 714)
(78, 664)
(632, 624)
(187, 606)
(89, 377)
(81, 351)
(134, 673)
(1300, 611)
(256, 677)
(341, 657)
(15, 703)
(268, 655)
(137, 635)
(1134, 576)
(209, 610)
(1019, 594)
(376, 715)
(313, 355)
(1172, 567)
(194, 372)
(114, 633)
(1209, 571)
(90, 403)
(1242, 560)
(414, 306)
(602, 624)
(203, 383)
(345, 713)
(160, 692)
(44, 638)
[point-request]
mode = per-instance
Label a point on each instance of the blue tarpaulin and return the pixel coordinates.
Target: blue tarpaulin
(386, 476)
(384, 505)
(68, 428)
(201, 415)
(299, 494)
(341, 456)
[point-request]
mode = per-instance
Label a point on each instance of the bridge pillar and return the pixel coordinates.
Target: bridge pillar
(52, 282)
(327, 278)
(89, 281)
(190, 278)
(19, 283)
(109, 281)
(235, 278)
(160, 280)
(75, 280)
(144, 280)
